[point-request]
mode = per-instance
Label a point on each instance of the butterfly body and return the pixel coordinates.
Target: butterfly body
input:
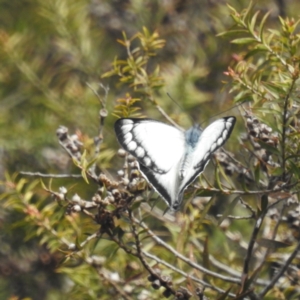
(168, 158)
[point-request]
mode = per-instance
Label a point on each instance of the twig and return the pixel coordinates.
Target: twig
(268, 250)
(102, 116)
(284, 124)
(280, 272)
(102, 100)
(236, 217)
(119, 289)
(143, 261)
(167, 116)
(205, 284)
(38, 174)
(183, 258)
(255, 232)
(248, 207)
(239, 192)
(237, 162)
(89, 238)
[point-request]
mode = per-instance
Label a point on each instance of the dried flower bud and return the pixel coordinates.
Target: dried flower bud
(103, 113)
(96, 260)
(76, 208)
(151, 278)
(134, 173)
(125, 181)
(62, 133)
(72, 246)
(156, 284)
(121, 173)
(130, 158)
(116, 193)
(96, 198)
(121, 152)
(63, 190)
(60, 196)
(76, 198)
(167, 293)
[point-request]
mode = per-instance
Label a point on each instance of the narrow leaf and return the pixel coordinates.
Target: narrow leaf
(247, 40)
(272, 244)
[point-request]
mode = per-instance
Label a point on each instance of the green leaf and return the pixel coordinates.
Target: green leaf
(272, 244)
(294, 168)
(242, 41)
(233, 32)
(218, 179)
(84, 176)
(206, 209)
(262, 25)
(253, 23)
(205, 254)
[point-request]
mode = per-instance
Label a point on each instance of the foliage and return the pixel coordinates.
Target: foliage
(92, 233)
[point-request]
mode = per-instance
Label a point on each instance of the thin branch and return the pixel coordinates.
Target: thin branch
(236, 217)
(42, 175)
(252, 241)
(117, 284)
(183, 258)
(89, 238)
(119, 289)
(159, 108)
(268, 250)
(179, 271)
(102, 116)
(245, 193)
(237, 162)
(280, 272)
(143, 261)
(284, 125)
(249, 207)
(101, 99)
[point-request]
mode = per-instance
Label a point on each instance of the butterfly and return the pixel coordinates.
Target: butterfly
(171, 159)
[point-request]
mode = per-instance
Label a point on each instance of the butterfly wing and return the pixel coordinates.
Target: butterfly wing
(213, 137)
(168, 158)
(158, 148)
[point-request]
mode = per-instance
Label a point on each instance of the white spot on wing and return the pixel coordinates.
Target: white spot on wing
(140, 152)
(228, 124)
(127, 128)
(127, 122)
(225, 134)
(220, 141)
(213, 147)
(132, 146)
(127, 138)
(147, 161)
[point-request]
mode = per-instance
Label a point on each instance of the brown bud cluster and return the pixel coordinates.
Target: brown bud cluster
(70, 143)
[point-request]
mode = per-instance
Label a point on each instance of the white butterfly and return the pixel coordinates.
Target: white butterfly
(168, 158)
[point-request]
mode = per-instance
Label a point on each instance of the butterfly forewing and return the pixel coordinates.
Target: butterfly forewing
(156, 145)
(212, 138)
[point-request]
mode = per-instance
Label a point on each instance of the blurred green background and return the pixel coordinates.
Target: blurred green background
(50, 50)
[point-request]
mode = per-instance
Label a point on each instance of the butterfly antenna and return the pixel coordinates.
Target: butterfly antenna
(192, 121)
(221, 113)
